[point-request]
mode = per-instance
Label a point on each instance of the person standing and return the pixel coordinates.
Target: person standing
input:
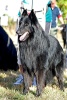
(56, 13)
(19, 79)
(19, 14)
(48, 16)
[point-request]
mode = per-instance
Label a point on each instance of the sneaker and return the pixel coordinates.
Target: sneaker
(19, 80)
(34, 82)
(19, 77)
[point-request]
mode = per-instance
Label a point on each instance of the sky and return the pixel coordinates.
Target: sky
(14, 5)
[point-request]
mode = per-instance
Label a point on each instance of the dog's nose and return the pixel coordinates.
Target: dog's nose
(16, 32)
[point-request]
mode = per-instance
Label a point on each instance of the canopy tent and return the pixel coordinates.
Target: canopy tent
(39, 7)
(35, 4)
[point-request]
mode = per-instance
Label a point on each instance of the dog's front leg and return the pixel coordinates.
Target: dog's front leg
(40, 76)
(27, 82)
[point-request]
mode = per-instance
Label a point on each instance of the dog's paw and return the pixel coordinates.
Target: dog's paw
(25, 91)
(38, 93)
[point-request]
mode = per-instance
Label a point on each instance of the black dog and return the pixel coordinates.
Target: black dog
(8, 53)
(64, 32)
(40, 54)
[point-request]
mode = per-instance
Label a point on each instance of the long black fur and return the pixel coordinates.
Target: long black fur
(63, 33)
(8, 53)
(41, 55)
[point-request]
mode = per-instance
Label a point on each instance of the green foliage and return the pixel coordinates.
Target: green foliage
(9, 91)
(10, 22)
(63, 6)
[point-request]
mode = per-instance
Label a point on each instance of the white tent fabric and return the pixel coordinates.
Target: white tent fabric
(38, 5)
(14, 6)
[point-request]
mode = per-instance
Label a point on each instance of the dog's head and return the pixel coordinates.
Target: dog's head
(26, 23)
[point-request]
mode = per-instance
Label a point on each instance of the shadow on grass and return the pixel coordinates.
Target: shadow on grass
(8, 78)
(65, 83)
(33, 92)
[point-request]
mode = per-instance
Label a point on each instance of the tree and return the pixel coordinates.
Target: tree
(63, 6)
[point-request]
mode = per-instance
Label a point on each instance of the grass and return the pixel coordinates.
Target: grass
(8, 91)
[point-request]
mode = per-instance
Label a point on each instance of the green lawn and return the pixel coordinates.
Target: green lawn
(10, 92)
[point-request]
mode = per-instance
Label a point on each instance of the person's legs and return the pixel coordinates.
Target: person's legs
(19, 80)
(19, 63)
(47, 27)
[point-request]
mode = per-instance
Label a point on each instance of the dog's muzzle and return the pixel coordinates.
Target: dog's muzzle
(24, 36)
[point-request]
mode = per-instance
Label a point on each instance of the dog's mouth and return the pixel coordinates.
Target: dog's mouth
(24, 36)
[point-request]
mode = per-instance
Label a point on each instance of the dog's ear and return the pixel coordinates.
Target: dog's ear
(24, 12)
(33, 17)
